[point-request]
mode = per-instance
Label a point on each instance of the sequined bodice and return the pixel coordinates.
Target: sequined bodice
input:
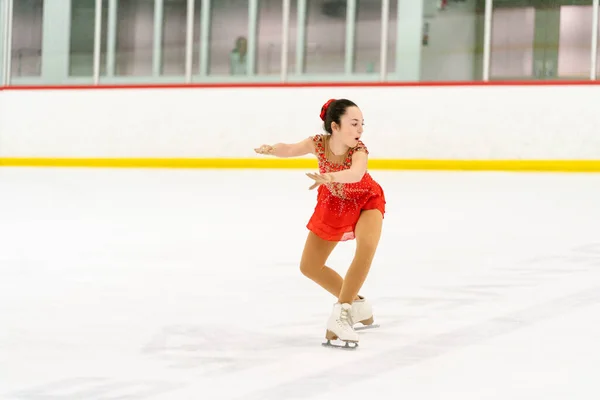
(347, 191)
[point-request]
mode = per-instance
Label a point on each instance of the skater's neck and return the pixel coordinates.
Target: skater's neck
(337, 148)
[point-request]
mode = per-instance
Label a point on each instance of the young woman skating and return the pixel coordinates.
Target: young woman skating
(350, 205)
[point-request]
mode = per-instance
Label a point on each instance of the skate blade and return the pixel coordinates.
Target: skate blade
(365, 327)
(345, 346)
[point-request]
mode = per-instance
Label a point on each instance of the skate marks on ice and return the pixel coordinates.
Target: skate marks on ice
(212, 350)
(95, 388)
(533, 272)
(202, 350)
(496, 284)
(429, 348)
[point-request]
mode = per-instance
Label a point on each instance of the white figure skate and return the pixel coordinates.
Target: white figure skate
(362, 312)
(339, 326)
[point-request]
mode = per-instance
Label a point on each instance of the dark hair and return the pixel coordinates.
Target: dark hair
(333, 110)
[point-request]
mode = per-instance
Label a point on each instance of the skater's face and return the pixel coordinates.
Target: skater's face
(351, 127)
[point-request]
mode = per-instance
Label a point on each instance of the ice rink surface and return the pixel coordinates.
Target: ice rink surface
(184, 284)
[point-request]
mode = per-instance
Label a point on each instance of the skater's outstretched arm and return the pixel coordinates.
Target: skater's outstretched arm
(287, 150)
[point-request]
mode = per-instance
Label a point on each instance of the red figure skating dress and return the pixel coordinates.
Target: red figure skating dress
(339, 204)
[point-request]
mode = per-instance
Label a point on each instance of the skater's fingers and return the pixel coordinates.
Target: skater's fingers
(264, 149)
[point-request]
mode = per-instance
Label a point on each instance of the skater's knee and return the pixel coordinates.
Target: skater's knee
(315, 254)
(308, 269)
(365, 252)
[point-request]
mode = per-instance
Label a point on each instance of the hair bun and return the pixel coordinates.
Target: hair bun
(324, 108)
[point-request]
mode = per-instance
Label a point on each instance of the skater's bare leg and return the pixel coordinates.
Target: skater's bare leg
(315, 255)
(368, 233)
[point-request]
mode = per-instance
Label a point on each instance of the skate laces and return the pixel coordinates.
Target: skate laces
(345, 317)
(349, 317)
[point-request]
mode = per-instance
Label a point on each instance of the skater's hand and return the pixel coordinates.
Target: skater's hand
(319, 179)
(265, 149)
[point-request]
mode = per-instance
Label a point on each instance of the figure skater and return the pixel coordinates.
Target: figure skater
(350, 205)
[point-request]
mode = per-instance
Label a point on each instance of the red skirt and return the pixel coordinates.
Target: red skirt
(334, 219)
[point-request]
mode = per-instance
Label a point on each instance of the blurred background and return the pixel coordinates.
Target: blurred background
(179, 41)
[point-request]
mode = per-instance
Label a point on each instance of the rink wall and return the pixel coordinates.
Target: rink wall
(508, 126)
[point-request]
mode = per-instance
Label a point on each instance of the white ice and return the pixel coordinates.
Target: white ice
(184, 284)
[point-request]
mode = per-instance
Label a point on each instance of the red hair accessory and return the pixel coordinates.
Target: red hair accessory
(325, 107)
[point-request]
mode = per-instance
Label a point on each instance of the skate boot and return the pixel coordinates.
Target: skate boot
(339, 326)
(362, 312)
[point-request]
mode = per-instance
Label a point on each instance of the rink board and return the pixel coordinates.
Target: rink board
(509, 126)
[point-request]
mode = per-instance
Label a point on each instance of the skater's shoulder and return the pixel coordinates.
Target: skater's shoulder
(318, 138)
(360, 147)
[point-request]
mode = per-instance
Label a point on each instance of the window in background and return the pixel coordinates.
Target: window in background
(512, 43)
(452, 42)
(575, 42)
(549, 42)
(546, 40)
(26, 54)
(325, 46)
(228, 37)
(174, 31)
(367, 52)
(268, 49)
(135, 34)
(81, 45)
(367, 42)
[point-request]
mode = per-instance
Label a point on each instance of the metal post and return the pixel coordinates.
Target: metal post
(112, 37)
(594, 51)
(285, 43)
(2, 39)
(385, 23)
(97, 40)
(252, 35)
(350, 35)
(189, 41)
(205, 37)
(3, 5)
(301, 36)
(157, 39)
(487, 39)
(8, 21)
